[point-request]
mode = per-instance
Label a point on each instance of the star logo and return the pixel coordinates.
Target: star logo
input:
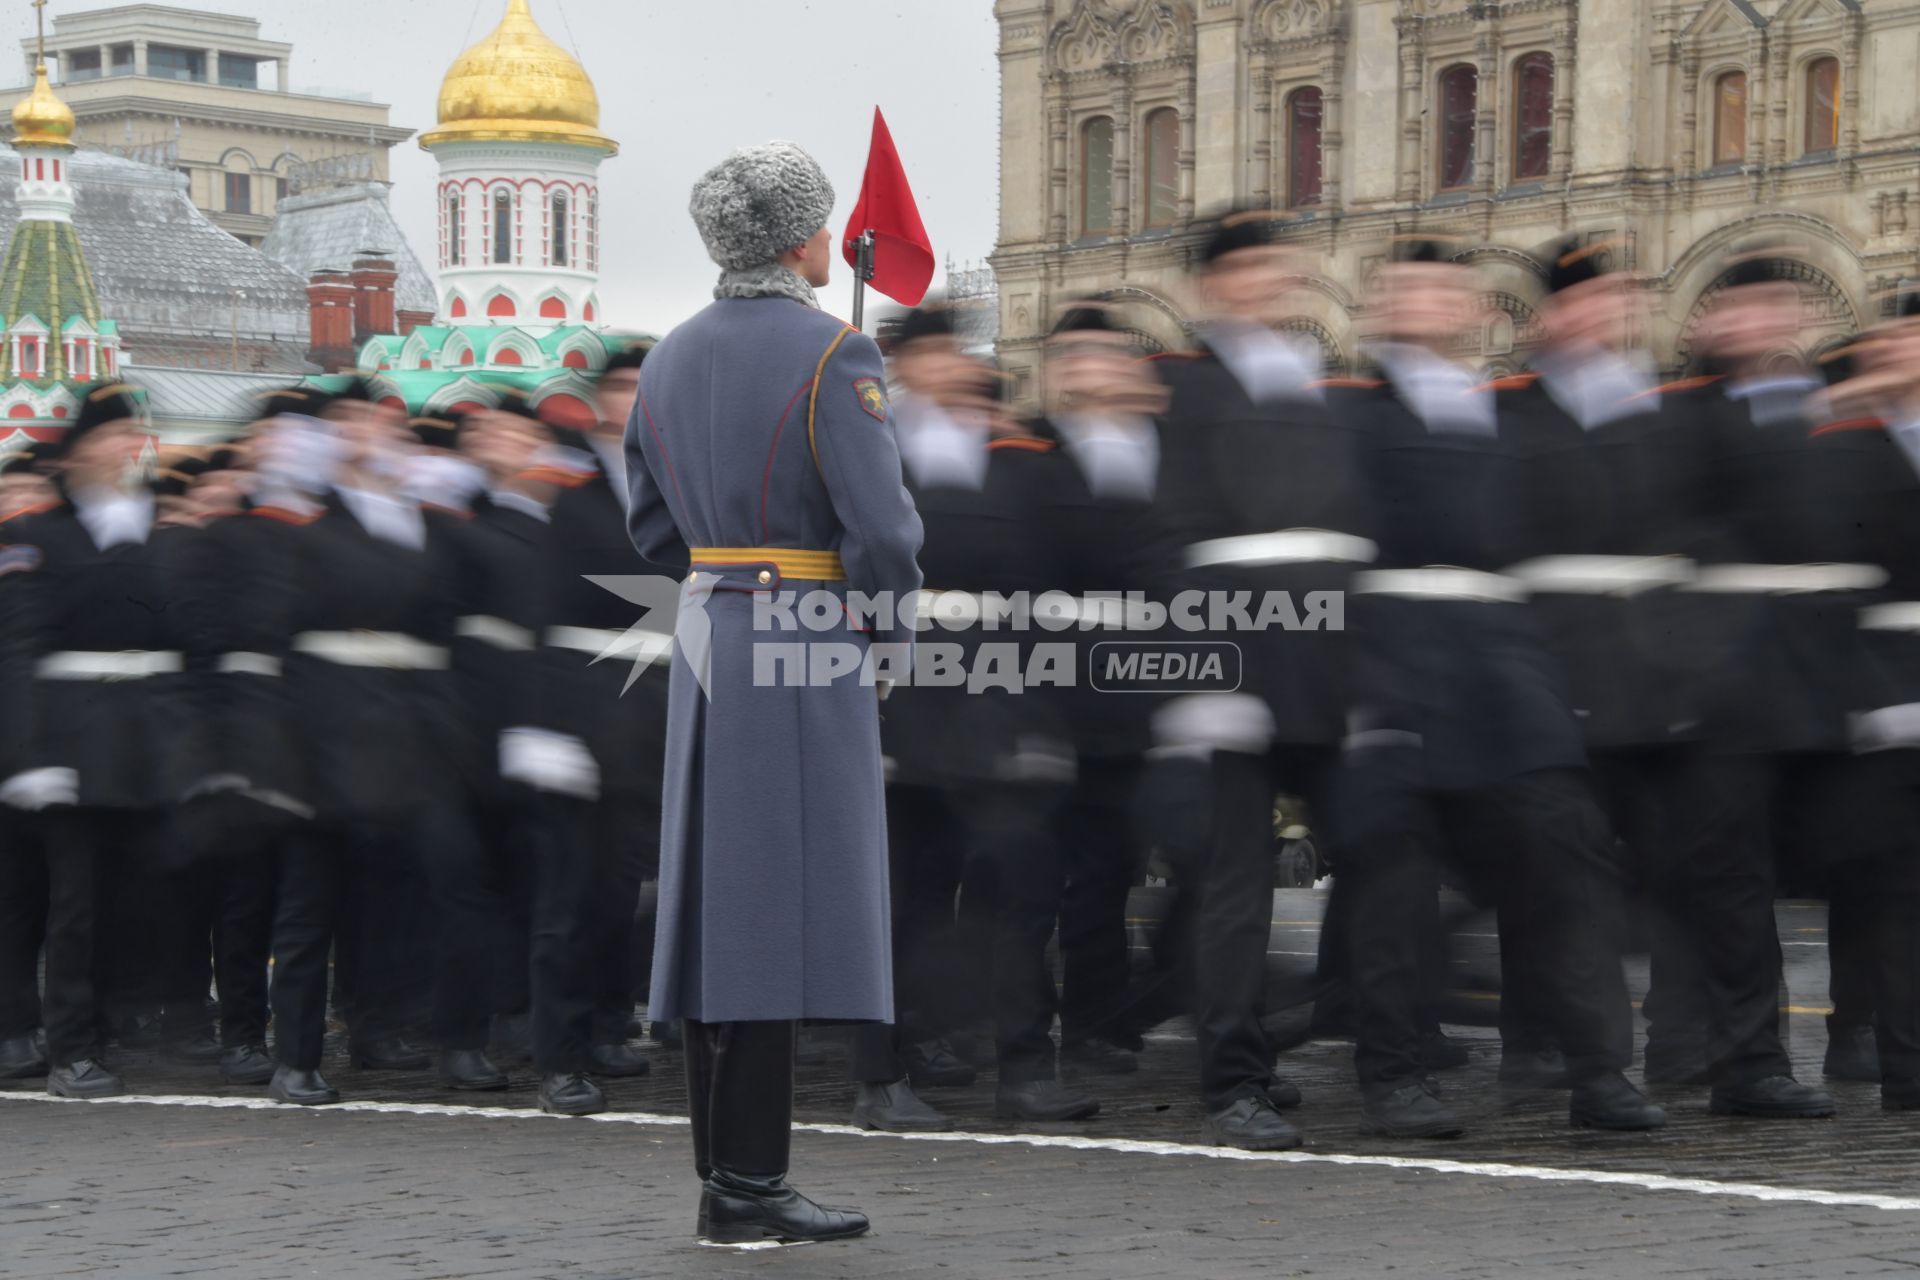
(672, 615)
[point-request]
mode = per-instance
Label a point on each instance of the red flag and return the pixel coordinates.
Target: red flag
(902, 254)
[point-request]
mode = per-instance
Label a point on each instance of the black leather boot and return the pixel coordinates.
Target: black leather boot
(698, 1040)
(471, 1069)
(1608, 1100)
(20, 1057)
(569, 1093)
(737, 1209)
(302, 1088)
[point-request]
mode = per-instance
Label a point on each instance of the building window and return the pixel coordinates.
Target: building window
(1096, 177)
(239, 193)
(593, 231)
(1304, 109)
(558, 252)
(82, 64)
(503, 226)
(1823, 106)
(1163, 167)
(122, 60)
(238, 72)
(29, 358)
(167, 63)
(453, 228)
(1459, 107)
(1533, 116)
(1730, 118)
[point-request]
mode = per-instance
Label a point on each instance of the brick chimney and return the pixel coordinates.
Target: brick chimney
(374, 276)
(411, 320)
(330, 316)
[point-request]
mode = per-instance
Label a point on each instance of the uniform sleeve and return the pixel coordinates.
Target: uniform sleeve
(859, 458)
(649, 522)
(25, 628)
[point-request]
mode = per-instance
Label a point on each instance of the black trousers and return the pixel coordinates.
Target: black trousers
(56, 888)
(740, 1096)
(623, 834)
(555, 858)
(23, 922)
(1101, 845)
(1542, 832)
(221, 908)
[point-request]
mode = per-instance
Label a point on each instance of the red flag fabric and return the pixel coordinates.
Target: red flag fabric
(902, 254)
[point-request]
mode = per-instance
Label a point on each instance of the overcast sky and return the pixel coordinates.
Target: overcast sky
(681, 83)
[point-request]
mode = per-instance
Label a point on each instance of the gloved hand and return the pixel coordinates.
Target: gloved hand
(557, 763)
(38, 789)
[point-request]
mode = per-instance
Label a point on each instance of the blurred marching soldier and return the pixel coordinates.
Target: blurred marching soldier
(762, 454)
(95, 678)
(1873, 811)
(1262, 487)
(1459, 724)
(1097, 519)
(1620, 494)
(24, 482)
(976, 776)
(360, 603)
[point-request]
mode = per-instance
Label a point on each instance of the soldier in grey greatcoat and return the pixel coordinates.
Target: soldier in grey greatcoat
(761, 454)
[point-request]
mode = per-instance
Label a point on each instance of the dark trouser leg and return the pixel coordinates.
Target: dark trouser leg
(700, 1038)
(137, 958)
(562, 857)
(622, 843)
(1388, 847)
(750, 1117)
(395, 931)
(1011, 827)
(75, 865)
(872, 1054)
(1232, 923)
(1894, 926)
(23, 923)
(1572, 896)
(190, 893)
(307, 907)
(927, 850)
(242, 941)
(1096, 832)
(1850, 966)
(469, 926)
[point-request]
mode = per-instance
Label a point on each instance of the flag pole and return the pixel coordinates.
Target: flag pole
(862, 272)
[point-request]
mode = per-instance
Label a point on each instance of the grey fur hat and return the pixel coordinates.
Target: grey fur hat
(760, 202)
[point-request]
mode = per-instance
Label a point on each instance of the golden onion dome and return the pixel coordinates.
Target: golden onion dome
(518, 85)
(41, 119)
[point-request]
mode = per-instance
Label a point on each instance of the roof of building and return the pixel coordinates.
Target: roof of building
(166, 272)
(45, 276)
(207, 401)
(328, 229)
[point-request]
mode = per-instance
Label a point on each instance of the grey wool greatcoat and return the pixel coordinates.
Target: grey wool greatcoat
(764, 423)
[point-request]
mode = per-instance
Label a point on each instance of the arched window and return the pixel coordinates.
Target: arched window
(1096, 177)
(453, 229)
(1163, 167)
(1303, 147)
(1823, 105)
(1533, 116)
(1459, 107)
(561, 229)
(503, 225)
(1730, 118)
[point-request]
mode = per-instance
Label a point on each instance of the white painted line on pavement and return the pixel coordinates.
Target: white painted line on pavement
(1122, 1146)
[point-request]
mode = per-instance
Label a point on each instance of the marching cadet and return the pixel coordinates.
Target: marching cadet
(1458, 723)
(95, 676)
(1262, 487)
(761, 453)
(24, 482)
(1622, 503)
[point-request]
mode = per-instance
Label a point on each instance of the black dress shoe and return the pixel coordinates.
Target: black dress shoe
(246, 1064)
(619, 1061)
(200, 1048)
(932, 1064)
(1771, 1098)
(1439, 1051)
(471, 1069)
(390, 1054)
(1534, 1069)
(569, 1093)
(896, 1108)
(736, 1209)
(1900, 1095)
(1284, 1094)
(1043, 1100)
(84, 1079)
(301, 1088)
(1098, 1058)
(1852, 1054)
(1411, 1111)
(21, 1057)
(1252, 1124)
(1609, 1101)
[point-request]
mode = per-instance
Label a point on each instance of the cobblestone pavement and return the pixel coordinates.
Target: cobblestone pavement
(200, 1179)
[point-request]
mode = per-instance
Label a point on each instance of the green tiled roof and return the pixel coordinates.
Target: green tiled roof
(46, 274)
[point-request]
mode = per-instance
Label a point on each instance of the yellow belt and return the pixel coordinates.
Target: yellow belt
(792, 562)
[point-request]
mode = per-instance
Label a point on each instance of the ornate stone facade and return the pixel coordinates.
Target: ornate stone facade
(1675, 128)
